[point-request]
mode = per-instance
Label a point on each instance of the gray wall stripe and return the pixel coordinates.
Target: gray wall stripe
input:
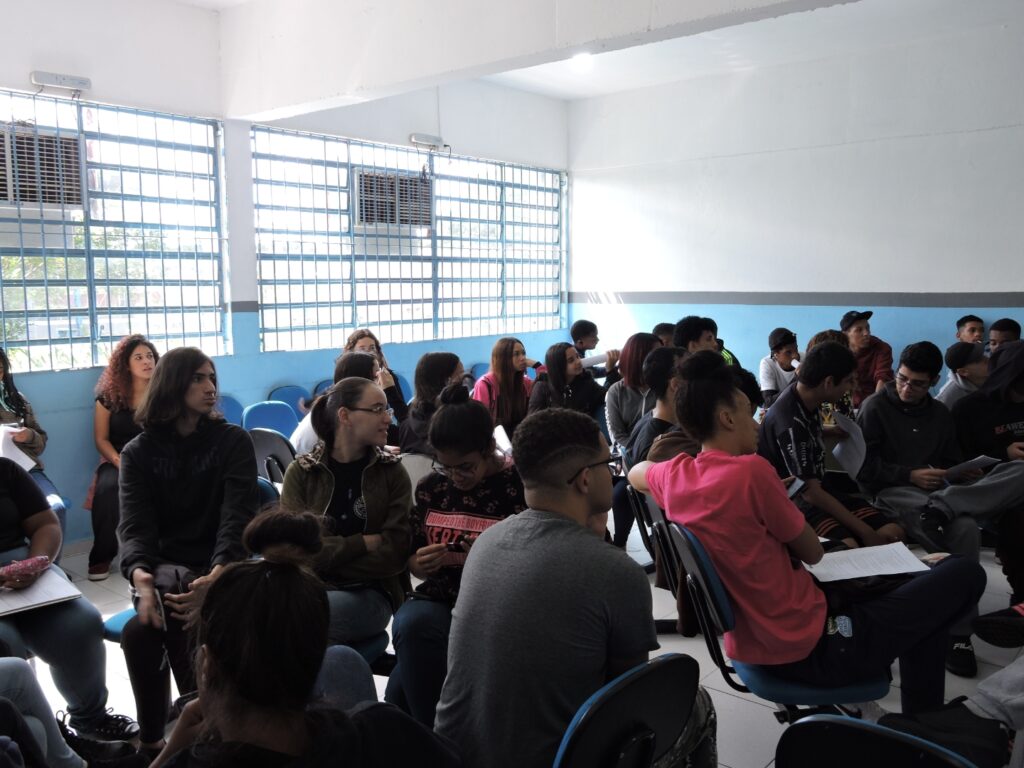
(851, 300)
(245, 306)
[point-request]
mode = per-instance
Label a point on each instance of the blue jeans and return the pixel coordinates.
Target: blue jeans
(18, 683)
(67, 636)
(345, 679)
(356, 614)
(420, 634)
(53, 498)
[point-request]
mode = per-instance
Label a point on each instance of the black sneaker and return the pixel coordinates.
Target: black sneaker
(982, 741)
(108, 727)
(1003, 629)
(960, 658)
(90, 750)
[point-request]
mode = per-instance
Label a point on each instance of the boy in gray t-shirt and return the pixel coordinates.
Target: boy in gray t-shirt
(548, 612)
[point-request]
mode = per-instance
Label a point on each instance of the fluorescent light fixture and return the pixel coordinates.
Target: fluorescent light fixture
(581, 63)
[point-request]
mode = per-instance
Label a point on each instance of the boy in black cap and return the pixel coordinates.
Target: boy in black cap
(968, 370)
(777, 369)
(874, 356)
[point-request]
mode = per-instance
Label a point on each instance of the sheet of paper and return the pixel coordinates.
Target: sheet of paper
(866, 561)
(953, 474)
(850, 451)
(10, 450)
(50, 588)
(590, 362)
(501, 439)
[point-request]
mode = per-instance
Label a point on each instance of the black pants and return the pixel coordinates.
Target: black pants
(911, 624)
(13, 725)
(622, 512)
(105, 515)
(147, 653)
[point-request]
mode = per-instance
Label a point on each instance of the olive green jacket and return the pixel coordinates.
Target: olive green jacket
(387, 492)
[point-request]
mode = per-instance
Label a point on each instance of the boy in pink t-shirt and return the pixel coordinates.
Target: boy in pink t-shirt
(737, 506)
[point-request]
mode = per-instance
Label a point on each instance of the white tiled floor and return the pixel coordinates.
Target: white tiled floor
(747, 729)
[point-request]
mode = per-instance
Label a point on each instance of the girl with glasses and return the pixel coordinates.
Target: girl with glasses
(473, 486)
(363, 340)
(364, 495)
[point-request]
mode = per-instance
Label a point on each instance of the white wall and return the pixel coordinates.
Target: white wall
(898, 169)
(477, 118)
(140, 53)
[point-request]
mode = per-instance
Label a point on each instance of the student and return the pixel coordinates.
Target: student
(971, 329)
(15, 409)
(363, 494)
(968, 370)
(738, 507)
(844, 404)
(361, 364)
(188, 488)
(630, 398)
(660, 376)
(1002, 331)
(505, 389)
(778, 369)
(791, 440)
(513, 685)
(67, 636)
(585, 338)
(363, 340)
(120, 389)
(911, 442)
(991, 420)
(567, 384)
(664, 331)
(694, 333)
(874, 356)
(262, 638)
(434, 372)
(472, 487)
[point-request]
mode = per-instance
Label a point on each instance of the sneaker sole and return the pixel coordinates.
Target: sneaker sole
(99, 576)
(1001, 631)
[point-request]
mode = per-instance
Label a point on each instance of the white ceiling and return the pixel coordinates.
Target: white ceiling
(807, 36)
(213, 5)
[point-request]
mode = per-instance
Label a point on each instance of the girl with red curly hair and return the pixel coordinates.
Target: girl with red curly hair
(119, 390)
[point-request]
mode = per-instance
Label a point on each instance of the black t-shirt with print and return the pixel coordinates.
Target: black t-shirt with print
(20, 498)
(791, 438)
(347, 510)
(443, 514)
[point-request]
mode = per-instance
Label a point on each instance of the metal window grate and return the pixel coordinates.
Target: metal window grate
(111, 226)
(416, 246)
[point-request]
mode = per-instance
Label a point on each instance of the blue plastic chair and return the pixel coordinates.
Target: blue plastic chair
(846, 742)
(635, 719)
(270, 414)
(274, 453)
(531, 374)
(404, 385)
(297, 397)
(231, 408)
(479, 369)
(114, 626)
(322, 386)
(715, 615)
(268, 492)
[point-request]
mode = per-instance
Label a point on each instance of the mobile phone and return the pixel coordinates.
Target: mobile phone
(455, 546)
(795, 487)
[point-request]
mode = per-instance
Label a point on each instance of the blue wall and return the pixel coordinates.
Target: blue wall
(64, 404)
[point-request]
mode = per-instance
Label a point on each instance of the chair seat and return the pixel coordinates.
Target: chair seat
(765, 685)
(114, 626)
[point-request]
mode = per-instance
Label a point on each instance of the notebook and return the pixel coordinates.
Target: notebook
(49, 589)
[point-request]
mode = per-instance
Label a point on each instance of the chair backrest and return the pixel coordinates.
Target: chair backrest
(295, 396)
(231, 408)
(846, 742)
(479, 369)
(403, 383)
(638, 504)
(273, 453)
(417, 465)
(268, 492)
(699, 568)
(322, 386)
(634, 719)
(270, 414)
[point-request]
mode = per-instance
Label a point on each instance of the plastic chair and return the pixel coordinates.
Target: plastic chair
(845, 742)
(322, 386)
(269, 495)
(531, 373)
(635, 719)
(297, 397)
(231, 408)
(270, 414)
(403, 383)
(479, 369)
(418, 466)
(715, 616)
(273, 453)
(114, 626)
(644, 523)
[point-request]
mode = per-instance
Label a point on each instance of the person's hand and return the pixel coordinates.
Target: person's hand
(187, 730)
(148, 606)
(385, 379)
(832, 430)
(116, 461)
(22, 436)
(870, 538)
(185, 607)
(612, 358)
(530, 362)
(394, 450)
(969, 476)
(372, 541)
(928, 479)
(1014, 451)
(429, 559)
(23, 581)
(788, 481)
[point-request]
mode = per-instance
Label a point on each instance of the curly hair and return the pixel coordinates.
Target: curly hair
(115, 384)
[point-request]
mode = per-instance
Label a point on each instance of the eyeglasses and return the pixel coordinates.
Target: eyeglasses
(376, 410)
(606, 463)
(912, 383)
(465, 469)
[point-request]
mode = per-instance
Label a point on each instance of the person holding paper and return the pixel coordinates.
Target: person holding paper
(68, 636)
(990, 421)
(585, 338)
(911, 447)
(791, 440)
(738, 507)
(968, 371)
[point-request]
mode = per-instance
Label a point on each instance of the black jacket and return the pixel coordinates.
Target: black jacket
(987, 421)
(584, 395)
(901, 438)
(186, 500)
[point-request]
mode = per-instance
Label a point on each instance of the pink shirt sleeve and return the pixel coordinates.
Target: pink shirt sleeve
(781, 517)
